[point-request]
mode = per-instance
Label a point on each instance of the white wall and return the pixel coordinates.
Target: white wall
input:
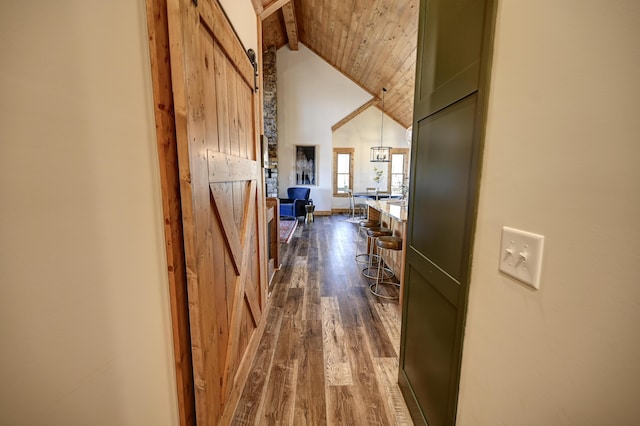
(312, 97)
(85, 324)
(361, 133)
(561, 159)
(84, 309)
(243, 17)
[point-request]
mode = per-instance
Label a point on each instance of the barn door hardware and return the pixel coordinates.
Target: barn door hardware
(254, 62)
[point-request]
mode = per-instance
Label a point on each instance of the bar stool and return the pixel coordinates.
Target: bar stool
(385, 243)
(373, 234)
(363, 227)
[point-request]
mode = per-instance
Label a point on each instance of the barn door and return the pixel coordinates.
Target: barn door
(222, 200)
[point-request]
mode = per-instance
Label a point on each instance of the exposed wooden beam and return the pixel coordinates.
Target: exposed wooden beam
(291, 25)
(373, 102)
(257, 5)
(272, 8)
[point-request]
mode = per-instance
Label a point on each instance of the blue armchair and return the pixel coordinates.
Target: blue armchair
(293, 206)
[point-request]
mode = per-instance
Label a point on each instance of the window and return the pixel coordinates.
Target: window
(398, 170)
(342, 171)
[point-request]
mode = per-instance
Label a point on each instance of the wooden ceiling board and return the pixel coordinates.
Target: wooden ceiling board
(274, 32)
(372, 42)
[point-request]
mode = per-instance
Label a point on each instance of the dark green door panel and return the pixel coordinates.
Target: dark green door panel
(438, 279)
(428, 348)
(443, 150)
(454, 39)
(450, 55)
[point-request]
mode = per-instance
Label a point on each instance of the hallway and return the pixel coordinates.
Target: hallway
(329, 353)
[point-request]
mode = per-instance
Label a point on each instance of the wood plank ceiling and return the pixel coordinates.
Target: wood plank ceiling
(372, 42)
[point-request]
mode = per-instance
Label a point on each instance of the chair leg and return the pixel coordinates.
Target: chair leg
(366, 255)
(366, 270)
(382, 280)
(375, 259)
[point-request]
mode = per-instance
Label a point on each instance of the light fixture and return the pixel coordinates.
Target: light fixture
(381, 154)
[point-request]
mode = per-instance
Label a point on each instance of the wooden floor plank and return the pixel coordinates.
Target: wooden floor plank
(387, 373)
(279, 401)
(381, 345)
(299, 272)
(310, 406)
(348, 310)
(390, 316)
(341, 406)
(337, 370)
(311, 307)
(279, 406)
(370, 405)
(293, 305)
(254, 389)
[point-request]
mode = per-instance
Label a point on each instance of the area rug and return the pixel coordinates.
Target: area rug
(286, 230)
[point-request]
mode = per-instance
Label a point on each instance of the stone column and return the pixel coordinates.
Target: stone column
(271, 118)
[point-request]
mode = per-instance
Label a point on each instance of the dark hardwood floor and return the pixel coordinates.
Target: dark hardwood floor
(329, 354)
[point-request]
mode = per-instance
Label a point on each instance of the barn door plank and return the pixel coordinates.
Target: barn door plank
(224, 214)
(227, 168)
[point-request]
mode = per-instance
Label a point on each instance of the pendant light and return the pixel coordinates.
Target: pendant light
(381, 154)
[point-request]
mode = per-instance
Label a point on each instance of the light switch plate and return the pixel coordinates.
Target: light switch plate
(521, 255)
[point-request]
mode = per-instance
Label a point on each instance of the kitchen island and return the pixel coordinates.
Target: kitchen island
(392, 214)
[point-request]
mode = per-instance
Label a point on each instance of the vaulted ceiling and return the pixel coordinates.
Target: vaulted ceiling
(372, 42)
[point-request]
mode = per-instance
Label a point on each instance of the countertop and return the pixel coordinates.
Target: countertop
(394, 208)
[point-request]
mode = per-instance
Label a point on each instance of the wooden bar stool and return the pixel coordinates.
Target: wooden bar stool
(385, 243)
(373, 234)
(363, 227)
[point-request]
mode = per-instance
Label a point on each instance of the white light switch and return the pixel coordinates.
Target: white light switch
(521, 255)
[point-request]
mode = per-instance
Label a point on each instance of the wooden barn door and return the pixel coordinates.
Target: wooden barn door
(222, 201)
